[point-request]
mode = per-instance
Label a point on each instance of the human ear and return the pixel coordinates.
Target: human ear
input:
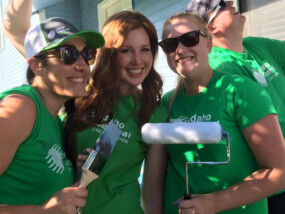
(35, 65)
(212, 30)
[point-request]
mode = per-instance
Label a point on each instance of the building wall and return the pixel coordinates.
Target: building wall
(89, 14)
(69, 9)
(265, 18)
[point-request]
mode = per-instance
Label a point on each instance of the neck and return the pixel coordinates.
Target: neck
(52, 101)
(234, 45)
(231, 40)
(194, 86)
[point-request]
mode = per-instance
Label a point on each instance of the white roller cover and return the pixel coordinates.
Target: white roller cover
(182, 132)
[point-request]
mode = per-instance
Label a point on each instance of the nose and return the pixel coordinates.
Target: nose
(180, 48)
(137, 58)
(80, 64)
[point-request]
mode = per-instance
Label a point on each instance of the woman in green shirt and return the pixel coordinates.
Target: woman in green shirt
(257, 167)
(35, 175)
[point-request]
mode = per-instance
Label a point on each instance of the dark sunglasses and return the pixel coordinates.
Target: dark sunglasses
(69, 54)
(221, 6)
(189, 39)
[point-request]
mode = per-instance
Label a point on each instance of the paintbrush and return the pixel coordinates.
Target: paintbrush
(99, 155)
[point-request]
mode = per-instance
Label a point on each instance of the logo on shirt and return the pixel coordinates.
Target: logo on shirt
(54, 159)
(264, 73)
(260, 78)
(125, 136)
(193, 118)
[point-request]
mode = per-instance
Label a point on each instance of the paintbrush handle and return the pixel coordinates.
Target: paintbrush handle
(87, 177)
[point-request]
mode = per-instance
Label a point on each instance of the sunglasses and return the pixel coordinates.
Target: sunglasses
(69, 54)
(221, 6)
(189, 39)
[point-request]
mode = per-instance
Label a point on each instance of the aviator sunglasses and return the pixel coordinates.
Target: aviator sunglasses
(69, 54)
(221, 6)
(189, 39)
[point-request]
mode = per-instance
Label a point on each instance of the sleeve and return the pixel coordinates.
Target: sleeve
(166, 98)
(252, 103)
(159, 115)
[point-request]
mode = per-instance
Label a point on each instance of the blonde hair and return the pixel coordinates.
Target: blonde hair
(200, 24)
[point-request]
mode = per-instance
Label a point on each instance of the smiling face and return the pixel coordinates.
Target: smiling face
(188, 62)
(66, 80)
(134, 60)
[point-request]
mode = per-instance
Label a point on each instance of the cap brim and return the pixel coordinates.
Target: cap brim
(93, 39)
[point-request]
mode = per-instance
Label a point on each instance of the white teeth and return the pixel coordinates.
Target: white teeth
(77, 79)
(185, 59)
(137, 71)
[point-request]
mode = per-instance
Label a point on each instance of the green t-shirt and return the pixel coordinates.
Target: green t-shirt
(117, 189)
(263, 62)
(39, 167)
(229, 100)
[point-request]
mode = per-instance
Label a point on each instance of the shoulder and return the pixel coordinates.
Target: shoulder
(18, 104)
(234, 83)
(160, 114)
(17, 115)
(259, 42)
(167, 97)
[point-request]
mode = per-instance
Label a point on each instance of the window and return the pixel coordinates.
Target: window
(109, 7)
(1, 29)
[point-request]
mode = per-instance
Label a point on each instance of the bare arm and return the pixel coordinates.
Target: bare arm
(153, 179)
(17, 115)
(17, 22)
(64, 201)
(266, 142)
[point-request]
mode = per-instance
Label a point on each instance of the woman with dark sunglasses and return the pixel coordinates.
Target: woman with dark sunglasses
(257, 167)
(35, 174)
(125, 87)
(259, 59)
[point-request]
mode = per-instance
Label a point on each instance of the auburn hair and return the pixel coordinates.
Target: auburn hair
(104, 85)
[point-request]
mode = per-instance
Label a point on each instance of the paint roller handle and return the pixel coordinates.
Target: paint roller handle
(79, 210)
(187, 196)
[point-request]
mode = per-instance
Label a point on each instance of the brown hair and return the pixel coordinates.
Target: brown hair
(103, 92)
(30, 75)
(200, 24)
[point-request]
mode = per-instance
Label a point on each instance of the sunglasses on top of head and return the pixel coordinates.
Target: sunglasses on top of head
(189, 39)
(221, 6)
(69, 54)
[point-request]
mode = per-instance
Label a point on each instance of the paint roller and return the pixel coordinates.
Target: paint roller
(186, 133)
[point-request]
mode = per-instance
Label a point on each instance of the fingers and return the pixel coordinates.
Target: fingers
(72, 197)
(187, 211)
(80, 192)
(185, 206)
(82, 157)
(177, 202)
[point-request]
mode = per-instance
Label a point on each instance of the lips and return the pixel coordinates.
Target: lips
(184, 59)
(135, 71)
(77, 79)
